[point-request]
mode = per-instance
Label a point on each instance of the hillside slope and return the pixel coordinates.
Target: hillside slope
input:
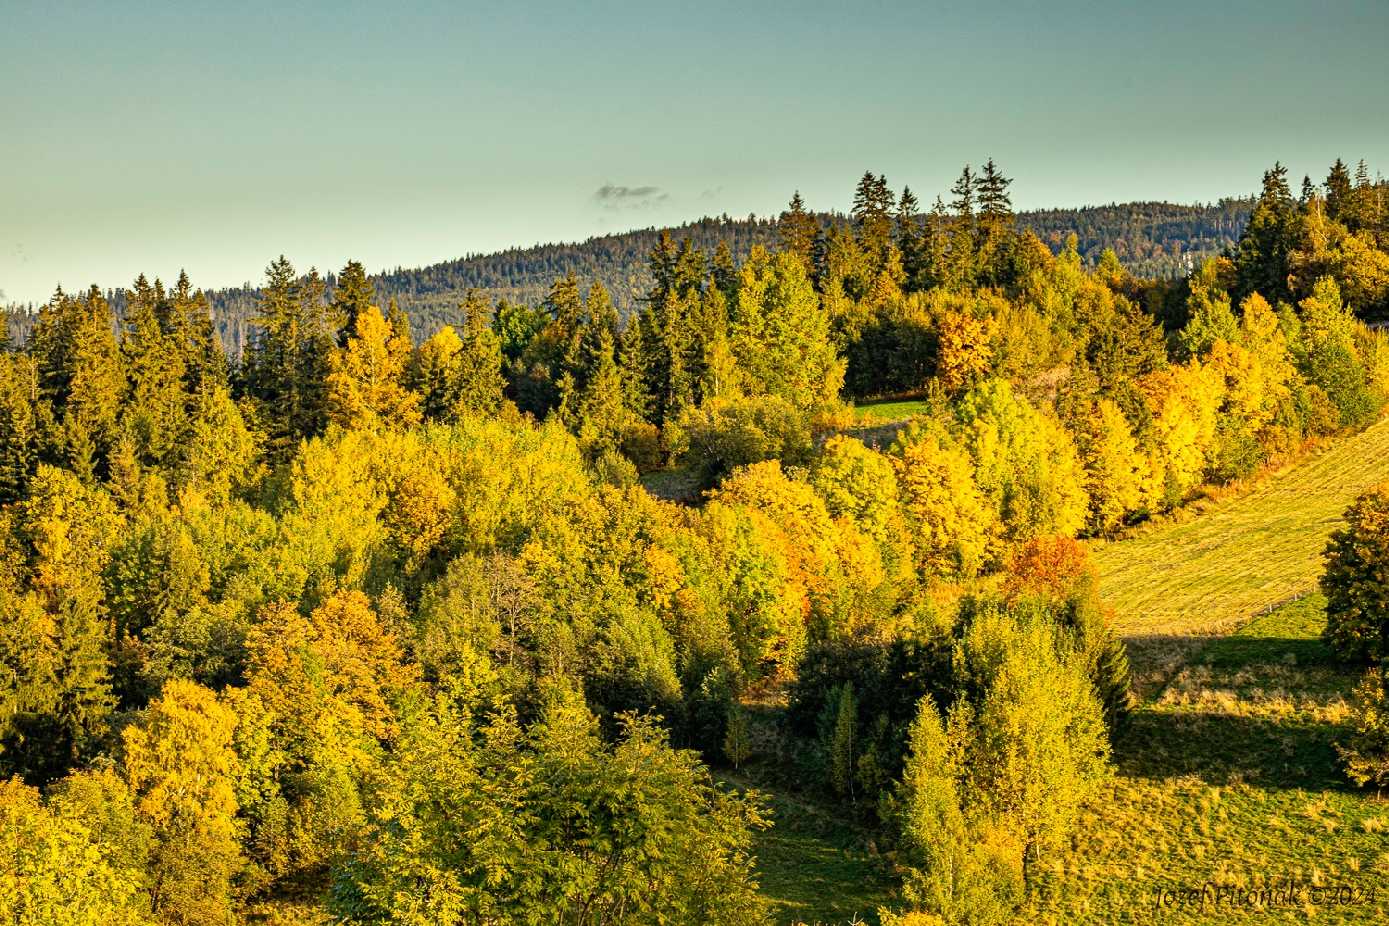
(1243, 554)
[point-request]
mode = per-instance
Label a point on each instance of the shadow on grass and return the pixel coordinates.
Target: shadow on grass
(816, 864)
(1225, 749)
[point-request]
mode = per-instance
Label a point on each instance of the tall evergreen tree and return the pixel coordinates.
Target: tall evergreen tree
(797, 230)
(353, 294)
(155, 410)
(286, 366)
(991, 189)
(80, 379)
(1338, 189)
(19, 424)
(1262, 256)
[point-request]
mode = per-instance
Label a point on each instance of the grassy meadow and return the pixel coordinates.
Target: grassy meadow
(1227, 771)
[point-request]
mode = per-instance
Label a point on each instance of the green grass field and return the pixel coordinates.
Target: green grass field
(815, 864)
(1246, 553)
(1227, 774)
(1230, 776)
(886, 411)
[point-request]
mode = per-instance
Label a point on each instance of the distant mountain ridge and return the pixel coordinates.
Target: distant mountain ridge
(1152, 239)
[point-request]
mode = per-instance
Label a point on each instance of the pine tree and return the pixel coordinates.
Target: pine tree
(872, 214)
(964, 192)
(80, 379)
(287, 362)
(991, 190)
(1262, 255)
(190, 326)
(1338, 190)
(962, 262)
(19, 424)
(353, 294)
(911, 238)
(156, 410)
(797, 230)
(843, 746)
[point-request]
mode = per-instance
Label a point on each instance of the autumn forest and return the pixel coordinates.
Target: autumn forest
(568, 609)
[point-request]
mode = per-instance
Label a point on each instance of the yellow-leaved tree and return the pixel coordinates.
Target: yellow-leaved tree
(366, 382)
(182, 770)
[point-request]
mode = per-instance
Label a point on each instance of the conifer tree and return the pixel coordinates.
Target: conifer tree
(80, 379)
(911, 237)
(1262, 256)
(353, 294)
(1338, 190)
(797, 230)
(843, 746)
(156, 409)
(190, 325)
(991, 191)
(287, 361)
(19, 424)
(872, 214)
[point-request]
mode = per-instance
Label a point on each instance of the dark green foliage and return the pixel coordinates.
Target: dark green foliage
(1356, 581)
(286, 364)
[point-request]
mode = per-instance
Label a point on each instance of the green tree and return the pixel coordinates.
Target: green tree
(737, 742)
(797, 230)
(1366, 753)
(842, 747)
(1262, 255)
(353, 294)
(954, 867)
(1037, 745)
(80, 379)
(482, 822)
(286, 364)
(780, 333)
(366, 382)
(54, 873)
(1356, 580)
(155, 407)
(20, 437)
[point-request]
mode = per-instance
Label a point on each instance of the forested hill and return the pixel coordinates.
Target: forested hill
(1152, 239)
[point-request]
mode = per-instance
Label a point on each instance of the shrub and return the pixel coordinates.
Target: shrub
(1367, 754)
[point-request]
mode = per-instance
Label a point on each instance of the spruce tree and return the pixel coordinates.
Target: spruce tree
(1338, 190)
(155, 410)
(191, 326)
(286, 366)
(797, 230)
(353, 294)
(991, 190)
(19, 425)
(80, 379)
(1262, 257)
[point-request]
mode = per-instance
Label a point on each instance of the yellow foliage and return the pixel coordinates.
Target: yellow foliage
(366, 386)
(52, 871)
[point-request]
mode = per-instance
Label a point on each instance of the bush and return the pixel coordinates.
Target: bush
(1367, 754)
(1356, 581)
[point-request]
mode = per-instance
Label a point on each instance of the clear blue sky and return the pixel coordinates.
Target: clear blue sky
(153, 136)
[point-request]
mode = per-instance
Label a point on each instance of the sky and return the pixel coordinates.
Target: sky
(153, 137)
